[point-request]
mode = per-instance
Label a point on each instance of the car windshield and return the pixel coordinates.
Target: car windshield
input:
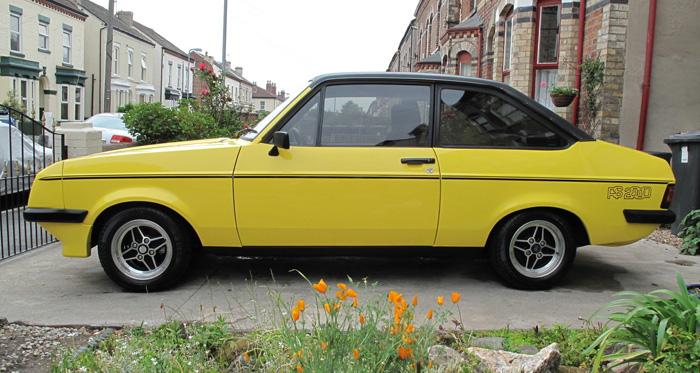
(111, 122)
(253, 133)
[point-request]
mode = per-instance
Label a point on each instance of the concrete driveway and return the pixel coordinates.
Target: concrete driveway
(42, 287)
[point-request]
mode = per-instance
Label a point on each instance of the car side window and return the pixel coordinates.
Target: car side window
(303, 125)
(474, 118)
(375, 115)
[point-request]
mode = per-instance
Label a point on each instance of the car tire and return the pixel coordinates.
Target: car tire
(533, 250)
(144, 249)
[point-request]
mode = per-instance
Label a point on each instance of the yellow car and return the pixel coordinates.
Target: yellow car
(363, 160)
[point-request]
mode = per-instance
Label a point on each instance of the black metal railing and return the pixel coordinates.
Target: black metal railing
(26, 147)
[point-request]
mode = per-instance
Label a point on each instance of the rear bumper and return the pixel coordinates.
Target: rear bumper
(649, 216)
(54, 215)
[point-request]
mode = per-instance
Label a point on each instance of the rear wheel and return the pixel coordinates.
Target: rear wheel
(144, 249)
(533, 250)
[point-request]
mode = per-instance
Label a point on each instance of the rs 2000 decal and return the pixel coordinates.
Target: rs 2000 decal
(632, 192)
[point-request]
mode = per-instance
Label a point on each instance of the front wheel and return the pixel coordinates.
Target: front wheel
(144, 249)
(533, 250)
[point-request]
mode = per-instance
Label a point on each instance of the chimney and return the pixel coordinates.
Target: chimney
(126, 16)
(282, 96)
(239, 71)
(228, 65)
(271, 87)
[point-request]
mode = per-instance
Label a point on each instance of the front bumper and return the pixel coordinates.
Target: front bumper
(40, 215)
(649, 216)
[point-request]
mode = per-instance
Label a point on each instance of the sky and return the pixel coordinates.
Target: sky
(285, 41)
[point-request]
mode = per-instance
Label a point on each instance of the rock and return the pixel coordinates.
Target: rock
(545, 361)
(446, 358)
(527, 349)
(494, 343)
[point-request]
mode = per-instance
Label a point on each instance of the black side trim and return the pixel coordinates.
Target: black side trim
(417, 160)
(54, 215)
(650, 216)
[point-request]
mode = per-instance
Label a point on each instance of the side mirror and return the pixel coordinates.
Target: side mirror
(280, 139)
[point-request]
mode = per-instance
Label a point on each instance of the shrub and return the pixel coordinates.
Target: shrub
(123, 109)
(653, 331)
(691, 233)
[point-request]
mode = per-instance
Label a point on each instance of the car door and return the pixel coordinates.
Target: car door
(359, 172)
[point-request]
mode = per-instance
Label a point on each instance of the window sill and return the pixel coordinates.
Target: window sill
(17, 54)
(42, 50)
(67, 65)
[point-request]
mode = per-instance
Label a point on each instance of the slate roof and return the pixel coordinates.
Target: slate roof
(153, 35)
(68, 6)
(434, 58)
(262, 93)
(103, 15)
(472, 22)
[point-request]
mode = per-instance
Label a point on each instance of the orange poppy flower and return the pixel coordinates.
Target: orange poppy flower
(405, 352)
(341, 295)
(356, 354)
(327, 307)
(415, 301)
(337, 306)
(295, 313)
(430, 314)
(455, 297)
(440, 300)
(354, 302)
(342, 287)
(362, 319)
(324, 346)
(301, 305)
(351, 293)
(299, 369)
(246, 356)
(321, 287)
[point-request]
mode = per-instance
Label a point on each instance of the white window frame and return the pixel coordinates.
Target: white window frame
(65, 102)
(18, 32)
(508, 46)
(170, 74)
(68, 47)
(115, 59)
(130, 62)
(24, 96)
(179, 76)
(44, 36)
(144, 67)
(78, 103)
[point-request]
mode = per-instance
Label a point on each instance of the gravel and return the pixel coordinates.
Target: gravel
(664, 235)
(30, 348)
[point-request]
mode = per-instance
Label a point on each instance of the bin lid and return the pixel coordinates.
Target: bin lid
(691, 136)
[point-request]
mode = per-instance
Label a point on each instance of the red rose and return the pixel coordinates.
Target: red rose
(202, 66)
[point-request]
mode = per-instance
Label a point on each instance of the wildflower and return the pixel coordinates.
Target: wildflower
(440, 300)
(354, 302)
(410, 328)
(324, 346)
(430, 314)
(295, 313)
(321, 287)
(362, 319)
(405, 352)
(415, 301)
(327, 307)
(394, 297)
(246, 356)
(351, 293)
(337, 306)
(356, 354)
(455, 297)
(341, 295)
(300, 303)
(342, 287)
(299, 369)
(430, 365)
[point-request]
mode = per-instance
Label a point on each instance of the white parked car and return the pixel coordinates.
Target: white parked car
(20, 159)
(113, 129)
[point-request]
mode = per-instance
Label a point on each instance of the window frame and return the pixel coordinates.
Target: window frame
(115, 58)
(44, 37)
(507, 48)
(66, 102)
(78, 103)
(536, 65)
(68, 48)
(144, 67)
(548, 124)
(130, 63)
(170, 74)
(18, 16)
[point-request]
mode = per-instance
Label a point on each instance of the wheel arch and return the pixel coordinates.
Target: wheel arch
(581, 237)
(104, 216)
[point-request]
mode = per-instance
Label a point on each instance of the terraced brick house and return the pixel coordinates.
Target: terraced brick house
(533, 45)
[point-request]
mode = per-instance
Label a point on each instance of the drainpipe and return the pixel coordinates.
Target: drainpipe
(481, 53)
(647, 76)
(579, 59)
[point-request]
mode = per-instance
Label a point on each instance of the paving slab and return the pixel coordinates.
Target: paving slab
(42, 287)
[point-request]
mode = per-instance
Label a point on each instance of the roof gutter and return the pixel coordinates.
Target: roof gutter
(646, 86)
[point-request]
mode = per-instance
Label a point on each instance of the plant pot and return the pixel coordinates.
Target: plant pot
(693, 289)
(562, 99)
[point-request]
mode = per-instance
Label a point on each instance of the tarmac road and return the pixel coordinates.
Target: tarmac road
(42, 287)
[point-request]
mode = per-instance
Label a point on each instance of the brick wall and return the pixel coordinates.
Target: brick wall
(523, 48)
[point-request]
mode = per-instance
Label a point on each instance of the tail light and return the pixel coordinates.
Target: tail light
(668, 196)
(117, 139)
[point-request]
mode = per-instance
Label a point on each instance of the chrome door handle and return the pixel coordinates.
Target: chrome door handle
(417, 160)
